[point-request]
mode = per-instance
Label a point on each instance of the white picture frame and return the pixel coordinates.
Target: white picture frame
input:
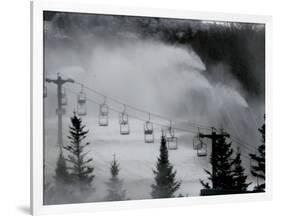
(37, 8)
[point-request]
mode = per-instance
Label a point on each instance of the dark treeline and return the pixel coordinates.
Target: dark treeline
(239, 45)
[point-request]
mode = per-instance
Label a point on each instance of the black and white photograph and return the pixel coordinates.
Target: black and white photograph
(139, 107)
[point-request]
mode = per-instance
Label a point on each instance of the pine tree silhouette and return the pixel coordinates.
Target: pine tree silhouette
(165, 183)
(115, 192)
(221, 161)
(258, 170)
(80, 170)
(240, 179)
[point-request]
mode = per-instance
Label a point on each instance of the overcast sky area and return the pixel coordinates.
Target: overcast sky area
(133, 60)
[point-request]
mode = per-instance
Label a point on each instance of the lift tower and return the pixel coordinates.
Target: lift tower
(214, 136)
(60, 110)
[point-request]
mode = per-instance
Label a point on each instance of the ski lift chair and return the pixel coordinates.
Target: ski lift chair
(103, 115)
(197, 144)
(148, 132)
(202, 152)
(63, 97)
(81, 104)
(124, 123)
(172, 140)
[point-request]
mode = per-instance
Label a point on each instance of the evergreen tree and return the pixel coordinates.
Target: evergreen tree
(240, 178)
(165, 183)
(221, 160)
(81, 171)
(258, 170)
(115, 192)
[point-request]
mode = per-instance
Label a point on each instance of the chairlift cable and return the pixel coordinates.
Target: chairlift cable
(237, 140)
(134, 116)
(195, 125)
